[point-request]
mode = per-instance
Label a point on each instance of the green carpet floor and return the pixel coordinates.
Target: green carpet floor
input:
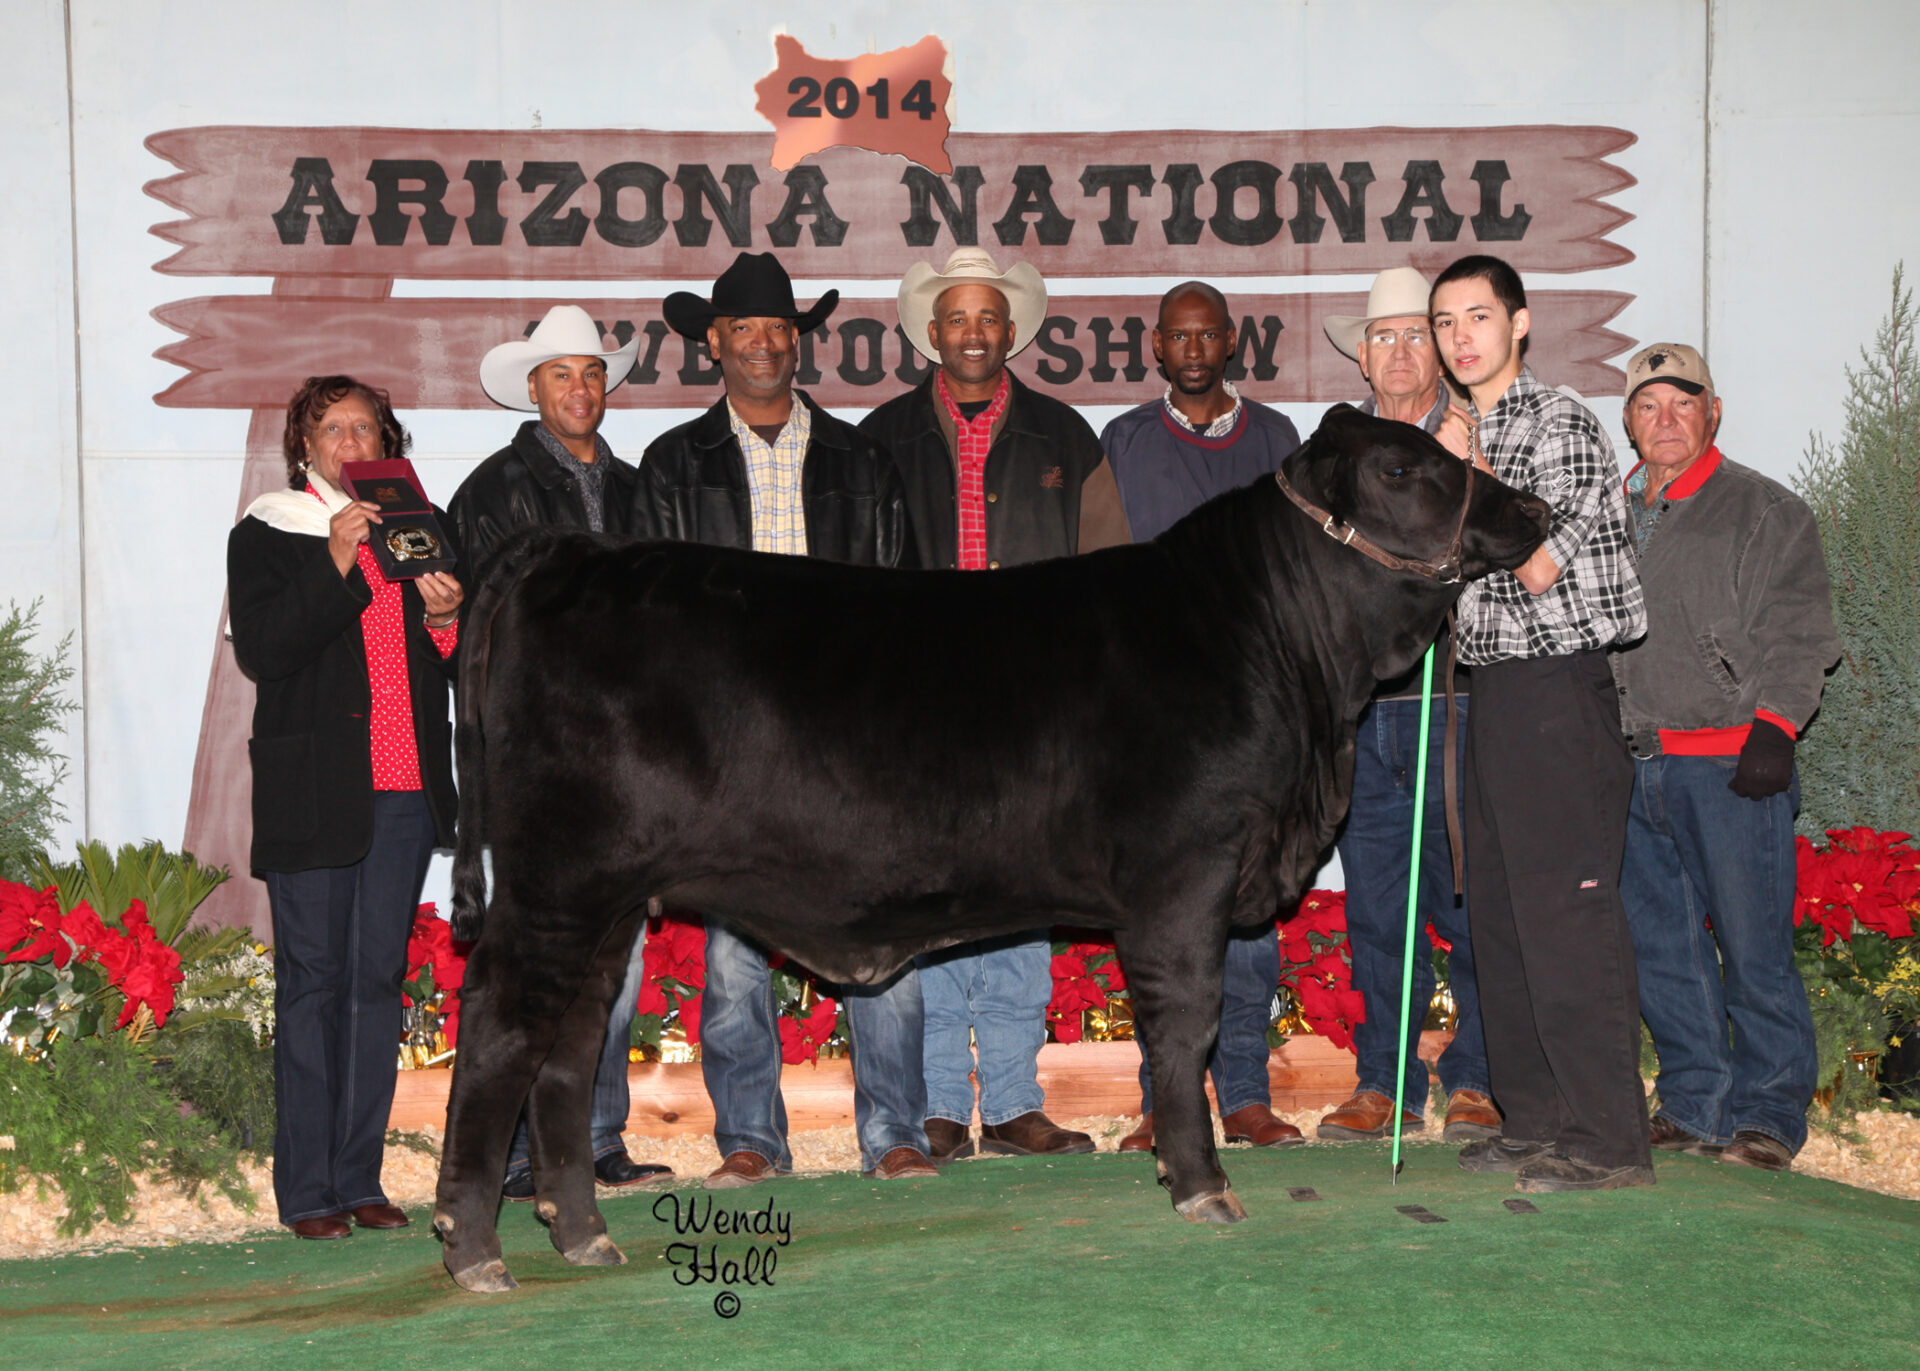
(1078, 1262)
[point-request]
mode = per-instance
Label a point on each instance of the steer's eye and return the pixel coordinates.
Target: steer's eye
(1396, 473)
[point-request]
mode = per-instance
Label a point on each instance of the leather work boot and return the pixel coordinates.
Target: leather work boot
(1369, 1114)
(1259, 1125)
(741, 1168)
(1501, 1154)
(1751, 1148)
(1668, 1136)
(948, 1141)
(1470, 1114)
(1141, 1139)
(903, 1164)
(1032, 1134)
(1556, 1171)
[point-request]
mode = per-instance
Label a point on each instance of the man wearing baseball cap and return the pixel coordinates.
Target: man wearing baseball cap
(1739, 637)
(559, 470)
(1394, 346)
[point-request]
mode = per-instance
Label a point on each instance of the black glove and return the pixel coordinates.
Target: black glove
(1766, 762)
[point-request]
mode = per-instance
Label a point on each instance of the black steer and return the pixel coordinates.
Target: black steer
(854, 766)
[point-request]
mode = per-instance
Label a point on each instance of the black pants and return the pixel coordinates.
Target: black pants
(339, 951)
(1547, 787)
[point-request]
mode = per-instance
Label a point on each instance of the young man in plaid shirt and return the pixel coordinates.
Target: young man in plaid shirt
(1548, 776)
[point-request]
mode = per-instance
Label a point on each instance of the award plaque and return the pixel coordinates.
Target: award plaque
(408, 541)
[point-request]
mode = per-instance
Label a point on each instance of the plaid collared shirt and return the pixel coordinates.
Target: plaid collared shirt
(773, 480)
(973, 439)
(1544, 443)
(1220, 427)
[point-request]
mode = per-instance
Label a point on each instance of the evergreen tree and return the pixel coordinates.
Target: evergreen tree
(32, 769)
(1860, 763)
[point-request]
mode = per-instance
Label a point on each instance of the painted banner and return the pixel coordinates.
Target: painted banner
(616, 204)
(251, 351)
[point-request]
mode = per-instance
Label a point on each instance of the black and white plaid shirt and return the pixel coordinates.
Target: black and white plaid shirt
(1549, 445)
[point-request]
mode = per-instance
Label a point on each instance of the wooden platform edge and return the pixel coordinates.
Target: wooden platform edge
(1078, 1079)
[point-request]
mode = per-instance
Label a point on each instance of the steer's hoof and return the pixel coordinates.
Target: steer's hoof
(599, 1250)
(1221, 1206)
(487, 1278)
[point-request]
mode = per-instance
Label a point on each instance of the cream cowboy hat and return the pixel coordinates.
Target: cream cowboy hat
(1026, 296)
(567, 331)
(1397, 291)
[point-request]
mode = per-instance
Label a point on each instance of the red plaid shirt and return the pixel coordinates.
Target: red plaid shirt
(975, 437)
(396, 755)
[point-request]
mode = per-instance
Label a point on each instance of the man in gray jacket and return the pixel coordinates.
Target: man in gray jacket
(1739, 637)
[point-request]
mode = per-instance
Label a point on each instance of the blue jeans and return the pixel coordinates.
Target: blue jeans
(1375, 853)
(611, 1100)
(1238, 1062)
(339, 952)
(740, 1057)
(1698, 852)
(998, 991)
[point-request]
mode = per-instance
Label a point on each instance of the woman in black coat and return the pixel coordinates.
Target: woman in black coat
(352, 791)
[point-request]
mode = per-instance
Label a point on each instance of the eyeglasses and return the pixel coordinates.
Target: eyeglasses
(1412, 337)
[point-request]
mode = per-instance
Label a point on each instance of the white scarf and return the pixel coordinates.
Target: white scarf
(295, 511)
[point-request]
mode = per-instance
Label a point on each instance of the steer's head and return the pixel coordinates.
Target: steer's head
(1397, 488)
(1391, 488)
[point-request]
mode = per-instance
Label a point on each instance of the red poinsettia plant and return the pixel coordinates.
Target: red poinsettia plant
(67, 972)
(1862, 880)
(1316, 965)
(1086, 972)
(436, 969)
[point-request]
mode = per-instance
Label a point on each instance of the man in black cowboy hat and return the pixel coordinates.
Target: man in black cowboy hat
(768, 469)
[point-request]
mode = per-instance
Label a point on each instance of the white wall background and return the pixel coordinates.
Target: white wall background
(1773, 200)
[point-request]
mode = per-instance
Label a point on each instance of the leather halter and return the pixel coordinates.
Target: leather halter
(1446, 569)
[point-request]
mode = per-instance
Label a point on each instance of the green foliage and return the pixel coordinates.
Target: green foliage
(88, 1116)
(227, 978)
(1860, 761)
(32, 769)
(40, 1001)
(412, 1142)
(171, 884)
(226, 1072)
(1845, 1023)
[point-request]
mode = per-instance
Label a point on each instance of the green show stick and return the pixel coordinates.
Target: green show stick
(1413, 903)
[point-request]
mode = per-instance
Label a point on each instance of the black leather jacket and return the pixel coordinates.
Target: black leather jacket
(520, 486)
(1050, 491)
(693, 487)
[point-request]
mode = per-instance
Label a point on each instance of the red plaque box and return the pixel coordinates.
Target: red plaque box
(408, 541)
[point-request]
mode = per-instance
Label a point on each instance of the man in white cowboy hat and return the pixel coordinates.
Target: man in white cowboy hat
(996, 474)
(1393, 344)
(1731, 562)
(559, 470)
(1170, 456)
(765, 468)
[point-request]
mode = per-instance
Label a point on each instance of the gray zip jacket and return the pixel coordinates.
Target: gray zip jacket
(1739, 617)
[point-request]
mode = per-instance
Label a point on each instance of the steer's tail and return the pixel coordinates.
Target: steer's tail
(470, 741)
